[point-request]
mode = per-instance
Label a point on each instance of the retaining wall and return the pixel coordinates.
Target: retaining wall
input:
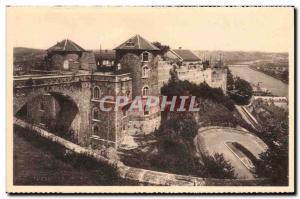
(141, 176)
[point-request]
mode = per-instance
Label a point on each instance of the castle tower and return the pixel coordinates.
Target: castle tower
(139, 57)
(66, 55)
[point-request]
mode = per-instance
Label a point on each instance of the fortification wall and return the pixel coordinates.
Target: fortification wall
(141, 176)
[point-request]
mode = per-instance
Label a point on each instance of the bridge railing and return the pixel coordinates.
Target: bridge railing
(31, 81)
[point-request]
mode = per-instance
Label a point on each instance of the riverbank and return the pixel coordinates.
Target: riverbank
(275, 86)
(269, 74)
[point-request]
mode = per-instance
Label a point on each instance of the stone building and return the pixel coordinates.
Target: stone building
(69, 100)
(190, 67)
(105, 58)
(68, 56)
(140, 58)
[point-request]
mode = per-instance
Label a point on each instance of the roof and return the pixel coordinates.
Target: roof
(105, 55)
(137, 43)
(186, 55)
(66, 45)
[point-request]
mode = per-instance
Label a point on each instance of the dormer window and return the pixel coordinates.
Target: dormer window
(145, 56)
(129, 44)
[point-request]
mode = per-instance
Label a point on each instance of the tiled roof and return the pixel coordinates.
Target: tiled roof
(138, 43)
(105, 55)
(186, 55)
(66, 45)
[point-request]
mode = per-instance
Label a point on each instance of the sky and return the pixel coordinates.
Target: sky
(196, 28)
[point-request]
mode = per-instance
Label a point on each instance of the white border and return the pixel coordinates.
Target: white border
(101, 2)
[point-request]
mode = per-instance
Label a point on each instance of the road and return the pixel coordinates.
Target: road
(246, 116)
(213, 141)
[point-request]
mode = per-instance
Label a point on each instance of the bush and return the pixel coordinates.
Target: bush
(242, 92)
(203, 90)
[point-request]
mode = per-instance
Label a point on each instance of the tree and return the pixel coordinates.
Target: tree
(242, 92)
(163, 48)
(273, 164)
(230, 80)
(217, 167)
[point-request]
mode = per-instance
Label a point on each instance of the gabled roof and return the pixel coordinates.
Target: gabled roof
(186, 55)
(137, 43)
(66, 45)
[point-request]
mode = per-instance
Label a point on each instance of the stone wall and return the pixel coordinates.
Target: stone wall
(142, 176)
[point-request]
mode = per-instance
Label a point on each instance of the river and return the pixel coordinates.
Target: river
(276, 86)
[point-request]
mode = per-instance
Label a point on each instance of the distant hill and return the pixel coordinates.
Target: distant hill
(230, 57)
(34, 57)
(28, 58)
(22, 54)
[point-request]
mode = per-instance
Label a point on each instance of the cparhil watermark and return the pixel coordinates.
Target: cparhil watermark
(142, 103)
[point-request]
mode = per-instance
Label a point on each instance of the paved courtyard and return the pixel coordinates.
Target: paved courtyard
(212, 140)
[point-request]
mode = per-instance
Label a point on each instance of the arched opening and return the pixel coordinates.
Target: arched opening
(145, 91)
(96, 92)
(96, 113)
(145, 72)
(54, 112)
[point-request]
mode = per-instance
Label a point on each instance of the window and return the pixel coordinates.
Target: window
(145, 56)
(145, 72)
(96, 114)
(95, 130)
(42, 106)
(96, 93)
(66, 65)
(145, 91)
(146, 111)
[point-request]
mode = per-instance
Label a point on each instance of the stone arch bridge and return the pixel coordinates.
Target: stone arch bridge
(75, 88)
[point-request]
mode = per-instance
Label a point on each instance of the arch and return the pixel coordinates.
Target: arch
(96, 92)
(145, 91)
(96, 113)
(145, 71)
(56, 112)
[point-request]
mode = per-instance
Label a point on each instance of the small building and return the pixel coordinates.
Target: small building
(183, 57)
(105, 58)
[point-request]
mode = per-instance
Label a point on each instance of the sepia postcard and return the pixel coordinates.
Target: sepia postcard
(150, 99)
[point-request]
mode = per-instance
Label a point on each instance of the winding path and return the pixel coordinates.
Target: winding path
(212, 140)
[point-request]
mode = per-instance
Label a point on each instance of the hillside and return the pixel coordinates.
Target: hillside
(230, 57)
